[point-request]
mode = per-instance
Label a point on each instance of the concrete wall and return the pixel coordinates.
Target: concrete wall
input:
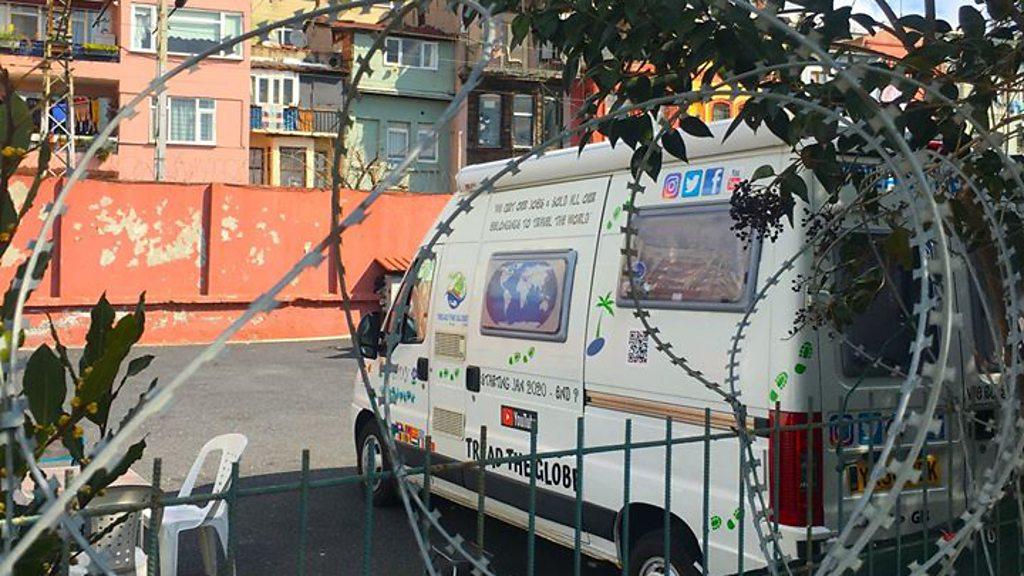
(203, 252)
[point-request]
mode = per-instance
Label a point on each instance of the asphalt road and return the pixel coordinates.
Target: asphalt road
(286, 397)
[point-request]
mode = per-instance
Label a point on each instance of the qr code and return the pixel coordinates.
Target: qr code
(637, 353)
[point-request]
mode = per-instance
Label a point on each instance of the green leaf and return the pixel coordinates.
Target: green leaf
(45, 385)
(97, 383)
(897, 247)
(763, 171)
(21, 135)
(972, 22)
(793, 184)
(672, 142)
(139, 364)
(695, 127)
(104, 478)
(101, 320)
(520, 28)
(651, 165)
(74, 446)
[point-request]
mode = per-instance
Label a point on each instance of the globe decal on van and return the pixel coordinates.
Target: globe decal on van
(456, 291)
(522, 294)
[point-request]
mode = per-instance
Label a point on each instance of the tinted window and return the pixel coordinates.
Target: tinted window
(688, 256)
(883, 328)
(527, 295)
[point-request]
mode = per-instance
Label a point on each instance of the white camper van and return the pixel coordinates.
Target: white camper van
(524, 318)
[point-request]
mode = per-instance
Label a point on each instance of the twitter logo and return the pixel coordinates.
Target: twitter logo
(712, 181)
(691, 184)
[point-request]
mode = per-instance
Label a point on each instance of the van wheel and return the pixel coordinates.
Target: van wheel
(648, 557)
(373, 455)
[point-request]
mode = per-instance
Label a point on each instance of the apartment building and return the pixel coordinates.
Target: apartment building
(114, 58)
(296, 91)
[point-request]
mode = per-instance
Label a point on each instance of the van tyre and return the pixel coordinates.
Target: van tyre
(373, 454)
(648, 557)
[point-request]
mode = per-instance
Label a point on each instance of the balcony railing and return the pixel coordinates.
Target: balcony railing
(98, 52)
(293, 119)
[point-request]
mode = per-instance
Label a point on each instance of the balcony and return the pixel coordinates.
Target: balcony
(294, 120)
(95, 52)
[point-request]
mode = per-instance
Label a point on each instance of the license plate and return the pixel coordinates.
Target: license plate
(857, 475)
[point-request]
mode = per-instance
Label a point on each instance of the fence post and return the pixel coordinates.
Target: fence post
(303, 511)
(232, 520)
(577, 560)
(425, 517)
(481, 495)
(625, 496)
(706, 490)
(371, 477)
(532, 526)
(153, 529)
(668, 496)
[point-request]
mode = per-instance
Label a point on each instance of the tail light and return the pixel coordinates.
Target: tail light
(794, 468)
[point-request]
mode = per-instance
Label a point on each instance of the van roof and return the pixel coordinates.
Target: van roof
(601, 158)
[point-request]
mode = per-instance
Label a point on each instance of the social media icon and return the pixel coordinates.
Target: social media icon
(733, 184)
(691, 184)
(671, 187)
(712, 181)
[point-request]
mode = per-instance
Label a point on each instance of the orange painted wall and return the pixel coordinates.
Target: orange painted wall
(203, 252)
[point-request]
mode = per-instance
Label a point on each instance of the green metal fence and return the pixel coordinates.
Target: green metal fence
(998, 548)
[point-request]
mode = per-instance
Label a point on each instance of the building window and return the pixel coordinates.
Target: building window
(26, 21)
(552, 118)
(522, 121)
(429, 153)
(143, 26)
(293, 166)
(720, 111)
(191, 121)
(275, 89)
(257, 166)
(398, 140)
(489, 121)
(411, 53)
(547, 51)
(321, 169)
(188, 31)
(283, 36)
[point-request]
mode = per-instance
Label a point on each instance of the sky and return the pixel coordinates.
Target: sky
(944, 9)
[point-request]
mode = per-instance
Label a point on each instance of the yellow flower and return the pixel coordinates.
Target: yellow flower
(77, 431)
(3, 508)
(92, 408)
(5, 237)
(76, 402)
(7, 151)
(85, 489)
(87, 371)
(63, 420)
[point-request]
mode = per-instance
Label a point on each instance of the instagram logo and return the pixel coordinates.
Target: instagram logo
(672, 183)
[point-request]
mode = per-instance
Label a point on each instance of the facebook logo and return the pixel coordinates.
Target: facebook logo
(691, 184)
(712, 181)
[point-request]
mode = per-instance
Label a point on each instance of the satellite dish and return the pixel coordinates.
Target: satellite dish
(298, 39)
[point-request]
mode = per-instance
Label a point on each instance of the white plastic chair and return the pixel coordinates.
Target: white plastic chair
(213, 517)
(119, 543)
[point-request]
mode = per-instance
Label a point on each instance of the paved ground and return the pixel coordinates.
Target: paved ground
(286, 397)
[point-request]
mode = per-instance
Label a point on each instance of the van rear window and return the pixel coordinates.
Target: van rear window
(527, 295)
(689, 257)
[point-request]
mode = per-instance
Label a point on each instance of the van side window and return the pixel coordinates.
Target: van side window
(689, 257)
(881, 323)
(414, 325)
(528, 295)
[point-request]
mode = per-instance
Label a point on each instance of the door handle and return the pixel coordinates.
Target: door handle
(422, 369)
(473, 378)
